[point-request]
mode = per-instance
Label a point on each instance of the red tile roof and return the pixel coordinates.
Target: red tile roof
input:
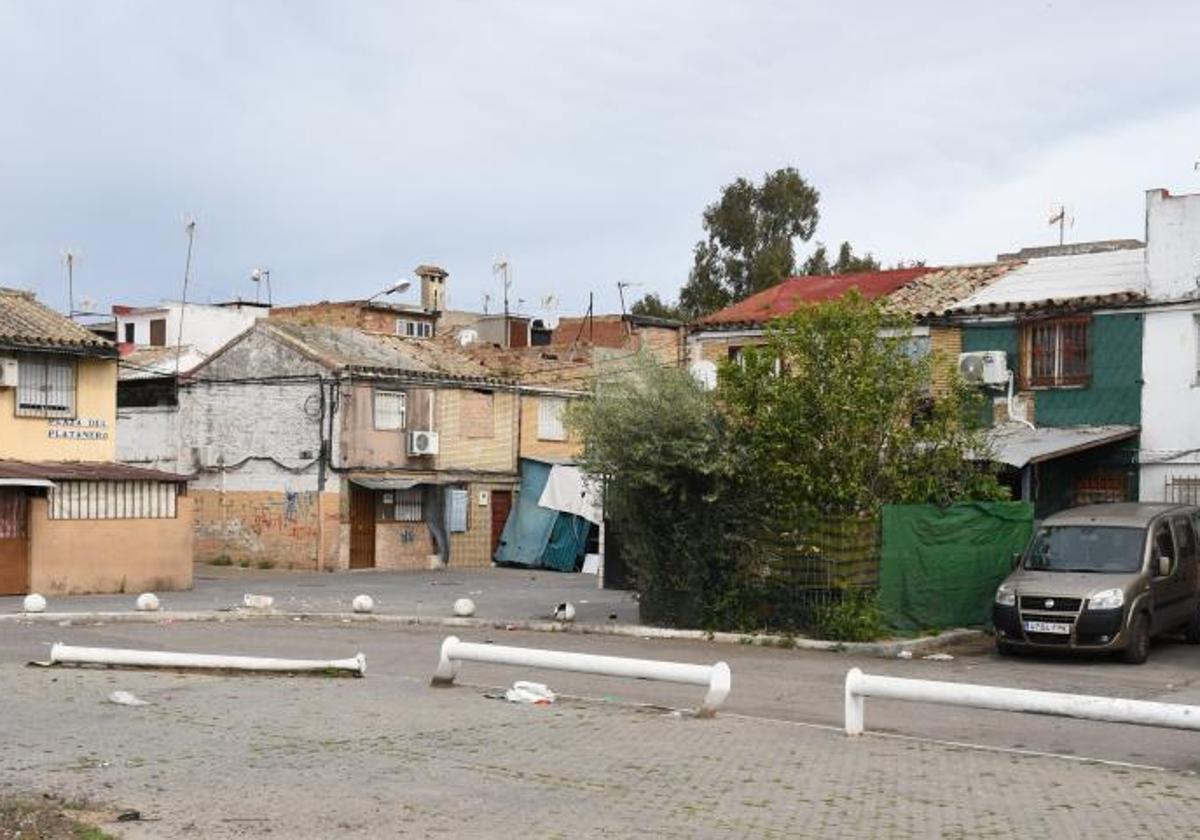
(83, 470)
(792, 293)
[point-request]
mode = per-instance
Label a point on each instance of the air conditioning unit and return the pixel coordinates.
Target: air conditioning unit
(422, 443)
(987, 367)
(8, 372)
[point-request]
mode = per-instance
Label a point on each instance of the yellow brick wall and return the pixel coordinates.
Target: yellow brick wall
(716, 349)
(664, 345)
(403, 546)
(29, 438)
(459, 450)
(266, 527)
(473, 548)
(945, 345)
(532, 446)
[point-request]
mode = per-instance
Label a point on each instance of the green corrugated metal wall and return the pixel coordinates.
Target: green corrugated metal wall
(1115, 392)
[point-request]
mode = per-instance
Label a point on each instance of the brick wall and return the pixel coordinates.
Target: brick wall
(266, 527)
(464, 445)
(532, 446)
(664, 345)
(473, 548)
(945, 344)
(403, 546)
(715, 348)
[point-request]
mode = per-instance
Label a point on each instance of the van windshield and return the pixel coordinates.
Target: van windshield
(1084, 548)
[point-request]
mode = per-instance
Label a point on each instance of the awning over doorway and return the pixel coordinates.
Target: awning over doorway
(26, 482)
(372, 482)
(1018, 445)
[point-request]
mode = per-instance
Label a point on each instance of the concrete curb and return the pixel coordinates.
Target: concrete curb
(889, 649)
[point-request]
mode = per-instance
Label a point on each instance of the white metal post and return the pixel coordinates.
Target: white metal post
(70, 655)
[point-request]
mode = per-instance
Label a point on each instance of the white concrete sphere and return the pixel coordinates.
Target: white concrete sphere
(363, 604)
(464, 608)
(34, 603)
(565, 612)
(148, 602)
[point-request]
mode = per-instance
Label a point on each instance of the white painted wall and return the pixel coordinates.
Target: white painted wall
(205, 327)
(1170, 441)
(1172, 245)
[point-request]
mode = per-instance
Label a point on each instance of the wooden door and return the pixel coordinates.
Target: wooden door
(14, 541)
(362, 527)
(501, 505)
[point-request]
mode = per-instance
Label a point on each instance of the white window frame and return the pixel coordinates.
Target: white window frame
(393, 417)
(550, 418)
(46, 385)
(414, 329)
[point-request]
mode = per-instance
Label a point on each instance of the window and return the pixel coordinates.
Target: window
(129, 333)
(45, 385)
(1054, 353)
(550, 418)
(457, 503)
(390, 409)
(1164, 543)
(735, 354)
(113, 500)
(475, 414)
(1185, 538)
(400, 505)
(158, 332)
(414, 329)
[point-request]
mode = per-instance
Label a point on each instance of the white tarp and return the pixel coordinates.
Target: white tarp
(568, 490)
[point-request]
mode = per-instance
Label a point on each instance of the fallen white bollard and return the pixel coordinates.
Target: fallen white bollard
(61, 654)
(716, 678)
(1085, 706)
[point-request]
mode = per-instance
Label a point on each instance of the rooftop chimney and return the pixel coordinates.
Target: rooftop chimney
(433, 287)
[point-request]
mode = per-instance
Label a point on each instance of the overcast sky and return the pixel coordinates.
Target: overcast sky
(342, 143)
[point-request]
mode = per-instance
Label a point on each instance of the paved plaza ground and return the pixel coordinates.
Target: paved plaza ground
(389, 756)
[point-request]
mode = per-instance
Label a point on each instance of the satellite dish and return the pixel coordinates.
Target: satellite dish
(704, 372)
(467, 337)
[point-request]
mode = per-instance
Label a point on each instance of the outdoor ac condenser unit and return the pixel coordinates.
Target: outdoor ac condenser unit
(8, 372)
(987, 367)
(422, 443)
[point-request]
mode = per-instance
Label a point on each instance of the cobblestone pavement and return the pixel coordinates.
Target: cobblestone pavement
(388, 756)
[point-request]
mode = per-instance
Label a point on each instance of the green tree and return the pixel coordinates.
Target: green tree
(675, 488)
(836, 414)
(847, 262)
(749, 246)
(653, 306)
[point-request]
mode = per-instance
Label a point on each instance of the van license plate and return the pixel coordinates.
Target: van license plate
(1047, 627)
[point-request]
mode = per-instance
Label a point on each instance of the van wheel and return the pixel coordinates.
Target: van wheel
(1139, 641)
(1005, 648)
(1192, 631)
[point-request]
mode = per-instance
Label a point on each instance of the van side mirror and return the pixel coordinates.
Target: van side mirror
(1016, 559)
(1164, 565)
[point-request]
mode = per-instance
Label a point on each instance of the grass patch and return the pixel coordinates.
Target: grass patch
(46, 819)
(223, 560)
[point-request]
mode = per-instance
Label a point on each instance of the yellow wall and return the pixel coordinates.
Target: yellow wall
(532, 447)
(457, 451)
(28, 438)
(473, 548)
(945, 344)
(109, 555)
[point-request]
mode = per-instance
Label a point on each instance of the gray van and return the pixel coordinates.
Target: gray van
(1104, 578)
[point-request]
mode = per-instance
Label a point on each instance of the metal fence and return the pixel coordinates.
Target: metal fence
(1182, 489)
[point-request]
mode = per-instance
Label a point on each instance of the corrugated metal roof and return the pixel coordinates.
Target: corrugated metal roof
(27, 324)
(1112, 277)
(83, 471)
(786, 297)
(1018, 445)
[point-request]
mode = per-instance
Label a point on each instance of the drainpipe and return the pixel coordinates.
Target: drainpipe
(1011, 414)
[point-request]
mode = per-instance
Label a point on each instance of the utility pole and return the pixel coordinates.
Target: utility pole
(189, 227)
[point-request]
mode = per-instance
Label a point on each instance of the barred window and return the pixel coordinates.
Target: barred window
(400, 506)
(113, 500)
(390, 409)
(414, 329)
(45, 385)
(1055, 353)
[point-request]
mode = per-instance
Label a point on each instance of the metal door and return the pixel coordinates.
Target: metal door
(362, 527)
(1170, 591)
(14, 541)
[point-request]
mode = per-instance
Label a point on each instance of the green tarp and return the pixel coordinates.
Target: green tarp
(538, 537)
(939, 567)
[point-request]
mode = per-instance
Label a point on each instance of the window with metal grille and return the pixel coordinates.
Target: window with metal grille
(113, 500)
(390, 409)
(550, 418)
(401, 505)
(1184, 490)
(1055, 353)
(457, 503)
(45, 385)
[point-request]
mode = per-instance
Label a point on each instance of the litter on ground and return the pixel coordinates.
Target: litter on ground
(536, 694)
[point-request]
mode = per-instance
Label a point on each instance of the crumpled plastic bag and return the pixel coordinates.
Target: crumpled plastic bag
(125, 698)
(536, 694)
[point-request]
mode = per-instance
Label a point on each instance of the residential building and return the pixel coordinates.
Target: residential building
(72, 520)
(334, 447)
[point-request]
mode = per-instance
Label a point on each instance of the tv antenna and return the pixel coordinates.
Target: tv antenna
(69, 256)
(1064, 217)
(257, 276)
(189, 228)
(502, 269)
